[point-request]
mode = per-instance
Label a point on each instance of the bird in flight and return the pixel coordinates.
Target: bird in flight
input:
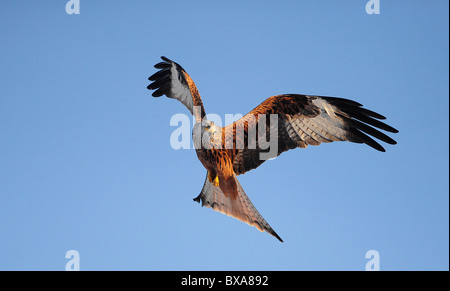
(290, 120)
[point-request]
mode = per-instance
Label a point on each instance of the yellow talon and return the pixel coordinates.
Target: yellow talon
(214, 181)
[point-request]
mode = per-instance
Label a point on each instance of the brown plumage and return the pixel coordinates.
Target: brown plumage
(278, 124)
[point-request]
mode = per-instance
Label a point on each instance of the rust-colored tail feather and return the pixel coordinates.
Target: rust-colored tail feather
(241, 207)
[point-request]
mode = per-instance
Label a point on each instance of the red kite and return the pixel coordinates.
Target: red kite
(294, 120)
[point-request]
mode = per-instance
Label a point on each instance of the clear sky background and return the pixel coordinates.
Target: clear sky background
(85, 155)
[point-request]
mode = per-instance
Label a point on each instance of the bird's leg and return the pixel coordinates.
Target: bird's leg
(214, 181)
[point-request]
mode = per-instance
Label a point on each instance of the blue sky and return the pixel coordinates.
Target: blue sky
(86, 162)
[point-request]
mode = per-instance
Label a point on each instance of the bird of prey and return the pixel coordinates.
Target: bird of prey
(290, 120)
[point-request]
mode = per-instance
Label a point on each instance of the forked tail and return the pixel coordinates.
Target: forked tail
(240, 207)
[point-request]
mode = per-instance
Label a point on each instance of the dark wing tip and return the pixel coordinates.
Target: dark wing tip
(161, 79)
(167, 63)
(166, 59)
(339, 100)
(163, 65)
(361, 121)
(272, 232)
(160, 74)
(197, 199)
(364, 138)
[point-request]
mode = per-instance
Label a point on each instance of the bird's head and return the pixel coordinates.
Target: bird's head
(208, 133)
(209, 126)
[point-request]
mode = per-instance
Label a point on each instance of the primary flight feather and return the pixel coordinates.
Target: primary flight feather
(290, 120)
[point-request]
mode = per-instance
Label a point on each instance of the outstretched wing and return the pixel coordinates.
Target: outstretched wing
(239, 207)
(303, 120)
(173, 81)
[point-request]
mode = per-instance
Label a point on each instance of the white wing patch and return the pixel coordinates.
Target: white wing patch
(322, 104)
(179, 89)
(325, 127)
